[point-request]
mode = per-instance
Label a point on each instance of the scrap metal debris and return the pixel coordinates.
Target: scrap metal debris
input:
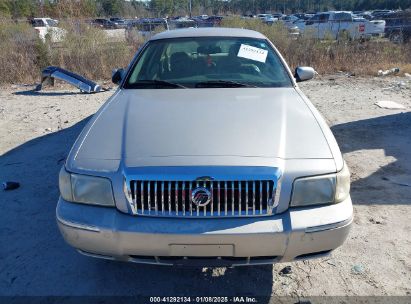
(388, 72)
(358, 269)
(85, 85)
(397, 86)
(392, 105)
(286, 270)
(10, 185)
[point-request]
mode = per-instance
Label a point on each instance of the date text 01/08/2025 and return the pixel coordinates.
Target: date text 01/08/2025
(203, 299)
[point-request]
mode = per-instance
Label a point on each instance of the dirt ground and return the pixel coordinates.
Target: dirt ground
(37, 130)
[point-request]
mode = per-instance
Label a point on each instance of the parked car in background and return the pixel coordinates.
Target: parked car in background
(379, 14)
(215, 20)
(263, 16)
(181, 22)
(372, 27)
(365, 15)
(300, 24)
(398, 27)
(248, 16)
(208, 154)
(338, 24)
(103, 23)
(208, 21)
(267, 18)
(303, 16)
(145, 28)
(270, 19)
(278, 15)
(289, 20)
(47, 27)
(119, 22)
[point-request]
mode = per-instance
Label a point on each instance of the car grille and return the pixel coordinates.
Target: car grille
(227, 198)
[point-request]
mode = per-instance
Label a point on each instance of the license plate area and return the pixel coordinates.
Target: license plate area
(201, 250)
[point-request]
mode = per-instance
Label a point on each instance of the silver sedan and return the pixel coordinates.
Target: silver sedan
(207, 154)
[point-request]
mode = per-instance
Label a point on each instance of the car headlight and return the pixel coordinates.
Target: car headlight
(323, 189)
(342, 190)
(85, 189)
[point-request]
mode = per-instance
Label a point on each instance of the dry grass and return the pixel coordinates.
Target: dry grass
(89, 52)
(19, 49)
(84, 50)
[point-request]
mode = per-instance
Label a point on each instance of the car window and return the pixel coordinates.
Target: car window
(343, 17)
(38, 23)
(51, 22)
(324, 18)
(314, 19)
(192, 62)
(150, 26)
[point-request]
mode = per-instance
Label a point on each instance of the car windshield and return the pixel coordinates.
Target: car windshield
(207, 62)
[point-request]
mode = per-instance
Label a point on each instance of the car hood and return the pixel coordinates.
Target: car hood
(201, 127)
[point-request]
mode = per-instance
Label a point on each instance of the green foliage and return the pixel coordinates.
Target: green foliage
(168, 7)
(20, 8)
(89, 51)
(18, 59)
(4, 9)
(133, 8)
(111, 7)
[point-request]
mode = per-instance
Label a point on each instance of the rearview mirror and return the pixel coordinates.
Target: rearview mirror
(117, 76)
(304, 73)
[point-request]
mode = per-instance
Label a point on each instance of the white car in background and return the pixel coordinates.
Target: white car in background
(288, 21)
(372, 27)
(267, 18)
(48, 26)
(337, 24)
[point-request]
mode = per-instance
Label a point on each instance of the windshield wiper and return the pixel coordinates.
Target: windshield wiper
(163, 83)
(223, 84)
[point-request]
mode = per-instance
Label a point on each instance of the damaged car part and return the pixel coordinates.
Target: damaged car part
(52, 72)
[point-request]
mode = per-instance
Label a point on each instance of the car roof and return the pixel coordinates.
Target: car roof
(208, 32)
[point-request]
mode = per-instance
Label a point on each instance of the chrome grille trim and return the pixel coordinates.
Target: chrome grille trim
(253, 197)
(229, 198)
(225, 198)
(142, 196)
(232, 198)
(176, 195)
(155, 197)
(239, 197)
(162, 198)
(169, 198)
(184, 199)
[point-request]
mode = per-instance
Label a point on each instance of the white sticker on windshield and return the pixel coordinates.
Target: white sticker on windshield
(253, 53)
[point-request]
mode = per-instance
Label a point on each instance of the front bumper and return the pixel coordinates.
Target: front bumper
(298, 233)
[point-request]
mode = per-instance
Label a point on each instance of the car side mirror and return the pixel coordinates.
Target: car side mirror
(117, 76)
(304, 73)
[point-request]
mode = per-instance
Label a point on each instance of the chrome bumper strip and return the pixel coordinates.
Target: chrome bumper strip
(328, 226)
(77, 225)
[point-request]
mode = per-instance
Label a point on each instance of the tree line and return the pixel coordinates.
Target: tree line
(134, 8)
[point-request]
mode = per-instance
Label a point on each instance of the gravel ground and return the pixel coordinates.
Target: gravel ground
(37, 130)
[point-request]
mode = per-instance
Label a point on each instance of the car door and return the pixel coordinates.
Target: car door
(343, 23)
(324, 25)
(312, 26)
